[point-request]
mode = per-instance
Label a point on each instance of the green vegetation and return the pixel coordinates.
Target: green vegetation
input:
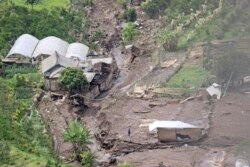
(79, 135)
(130, 15)
(73, 79)
(44, 4)
(125, 164)
(154, 7)
(32, 2)
(191, 21)
(21, 158)
(232, 63)
(17, 20)
(189, 78)
(129, 33)
(22, 129)
(97, 35)
(88, 159)
(4, 152)
(187, 21)
(78, 4)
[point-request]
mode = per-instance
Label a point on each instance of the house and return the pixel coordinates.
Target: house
(54, 65)
(172, 131)
(29, 49)
(22, 50)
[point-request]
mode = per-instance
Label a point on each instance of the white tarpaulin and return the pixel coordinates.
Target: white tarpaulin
(215, 89)
(169, 125)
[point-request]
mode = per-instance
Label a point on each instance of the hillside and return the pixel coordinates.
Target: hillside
(166, 60)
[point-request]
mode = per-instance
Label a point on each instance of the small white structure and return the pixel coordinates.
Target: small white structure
(215, 89)
(175, 131)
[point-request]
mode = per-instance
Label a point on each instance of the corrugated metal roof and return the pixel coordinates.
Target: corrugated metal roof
(77, 50)
(24, 45)
(170, 125)
(49, 45)
(57, 59)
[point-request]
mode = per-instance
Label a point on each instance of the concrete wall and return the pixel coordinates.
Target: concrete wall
(193, 133)
(51, 84)
(166, 135)
(170, 135)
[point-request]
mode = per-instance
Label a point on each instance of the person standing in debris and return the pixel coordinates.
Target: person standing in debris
(129, 131)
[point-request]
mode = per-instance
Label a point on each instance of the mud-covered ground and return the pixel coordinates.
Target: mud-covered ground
(225, 121)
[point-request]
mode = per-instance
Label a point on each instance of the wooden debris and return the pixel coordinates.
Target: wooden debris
(188, 99)
(173, 101)
(140, 110)
(157, 103)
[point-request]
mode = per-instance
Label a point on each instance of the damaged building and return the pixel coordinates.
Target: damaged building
(175, 131)
(55, 54)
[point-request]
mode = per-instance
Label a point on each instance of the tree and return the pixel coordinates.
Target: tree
(129, 33)
(79, 135)
(32, 2)
(73, 79)
(233, 62)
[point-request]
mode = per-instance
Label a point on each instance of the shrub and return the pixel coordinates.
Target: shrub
(129, 33)
(130, 15)
(77, 134)
(97, 35)
(88, 159)
(73, 79)
(154, 7)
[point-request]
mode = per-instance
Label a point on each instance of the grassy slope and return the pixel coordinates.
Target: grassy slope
(21, 158)
(187, 81)
(48, 4)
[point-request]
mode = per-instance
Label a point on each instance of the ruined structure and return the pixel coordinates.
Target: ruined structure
(171, 131)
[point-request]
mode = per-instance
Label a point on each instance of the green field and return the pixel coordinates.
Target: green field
(188, 77)
(48, 4)
(185, 82)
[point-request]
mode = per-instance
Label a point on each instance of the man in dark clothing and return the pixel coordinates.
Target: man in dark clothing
(129, 131)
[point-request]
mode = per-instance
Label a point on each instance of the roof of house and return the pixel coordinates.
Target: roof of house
(90, 76)
(108, 60)
(56, 59)
(77, 50)
(24, 46)
(170, 125)
(49, 45)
